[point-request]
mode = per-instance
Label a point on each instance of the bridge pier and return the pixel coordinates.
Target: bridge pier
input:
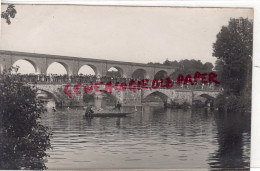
(99, 101)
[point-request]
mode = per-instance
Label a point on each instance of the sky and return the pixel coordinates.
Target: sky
(133, 34)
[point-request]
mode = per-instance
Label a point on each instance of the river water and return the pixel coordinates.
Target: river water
(150, 138)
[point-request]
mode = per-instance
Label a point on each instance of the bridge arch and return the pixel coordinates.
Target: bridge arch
(113, 99)
(88, 98)
(115, 71)
(207, 96)
(49, 94)
(208, 99)
(88, 69)
(139, 74)
(100, 99)
(161, 74)
(28, 61)
(159, 94)
(60, 64)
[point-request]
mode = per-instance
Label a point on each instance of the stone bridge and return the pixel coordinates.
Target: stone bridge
(41, 62)
(127, 97)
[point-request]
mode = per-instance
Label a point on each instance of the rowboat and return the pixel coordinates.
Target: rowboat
(113, 112)
(110, 114)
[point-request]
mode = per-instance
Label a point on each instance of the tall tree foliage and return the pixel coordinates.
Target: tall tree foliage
(233, 48)
(219, 68)
(24, 140)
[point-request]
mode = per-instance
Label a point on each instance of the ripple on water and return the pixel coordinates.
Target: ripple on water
(152, 139)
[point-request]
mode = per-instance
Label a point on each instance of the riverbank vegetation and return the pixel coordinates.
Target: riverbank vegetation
(23, 139)
(233, 50)
(186, 66)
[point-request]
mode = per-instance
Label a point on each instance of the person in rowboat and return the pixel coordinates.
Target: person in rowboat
(89, 111)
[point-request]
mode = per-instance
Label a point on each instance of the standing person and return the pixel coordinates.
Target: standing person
(54, 109)
(118, 106)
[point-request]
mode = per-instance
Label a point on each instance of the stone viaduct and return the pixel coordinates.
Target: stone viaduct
(41, 62)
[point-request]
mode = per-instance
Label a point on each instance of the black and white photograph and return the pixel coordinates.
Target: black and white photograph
(125, 87)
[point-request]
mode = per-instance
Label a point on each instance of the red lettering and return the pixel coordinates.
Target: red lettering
(180, 79)
(123, 86)
(131, 87)
(155, 84)
(144, 84)
(88, 89)
(109, 87)
(161, 83)
(212, 77)
(116, 86)
(96, 87)
(203, 77)
(188, 79)
(66, 91)
(76, 88)
(196, 77)
(168, 83)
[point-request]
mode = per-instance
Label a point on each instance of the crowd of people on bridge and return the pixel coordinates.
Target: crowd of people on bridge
(55, 78)
(64, 79)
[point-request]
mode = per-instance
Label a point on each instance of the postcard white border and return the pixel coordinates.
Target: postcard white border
(255, 121)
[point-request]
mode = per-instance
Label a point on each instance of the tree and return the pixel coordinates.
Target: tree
(234, 48)
(207, 67)
(9, 13)
(219, 68)
(24, 140)
(167, 62)
(154, 63)
(175, 63)
(186, 66)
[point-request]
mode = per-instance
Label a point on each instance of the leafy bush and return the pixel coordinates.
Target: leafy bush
(233, 103)
(23, 139)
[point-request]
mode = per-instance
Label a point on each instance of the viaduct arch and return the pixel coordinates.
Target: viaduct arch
(41, 62)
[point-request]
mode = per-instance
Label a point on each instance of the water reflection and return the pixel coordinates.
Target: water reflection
(233, 139)
(155, 138)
